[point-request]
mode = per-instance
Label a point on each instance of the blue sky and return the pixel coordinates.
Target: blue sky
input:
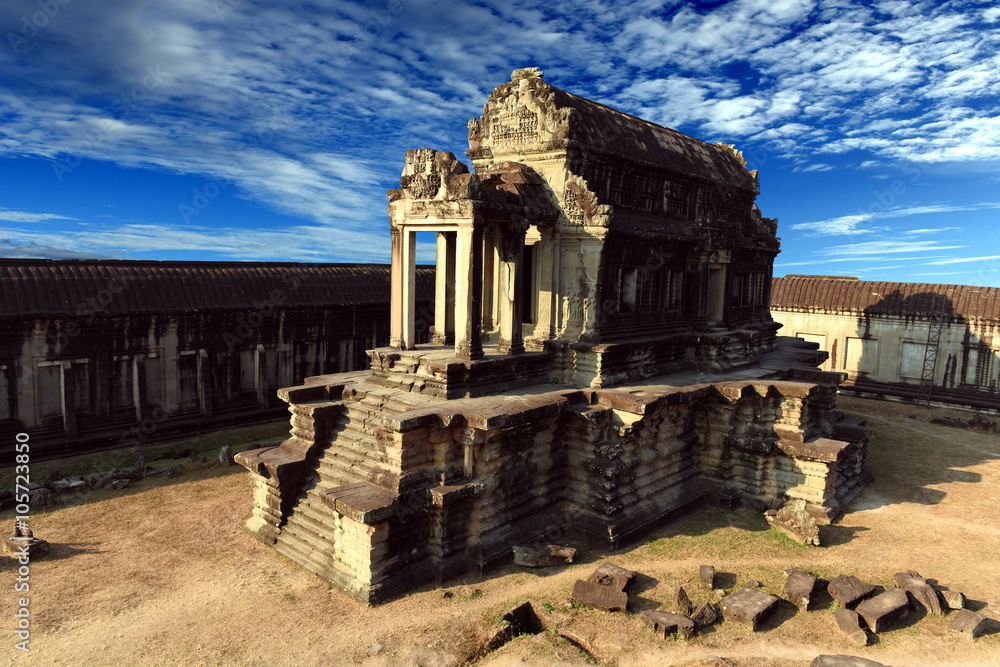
(233, 129)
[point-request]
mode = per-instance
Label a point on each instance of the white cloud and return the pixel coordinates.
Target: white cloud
(962, 260)
(887, 247)
(851, 224)
(24, 216)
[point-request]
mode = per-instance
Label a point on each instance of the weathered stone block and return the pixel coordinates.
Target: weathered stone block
(681, 602)
(843, 661)
(798, 587)
(969, 623)
(921, 595)
(748, 607)
(885, 610)
(951, 599)
(600, 597)
(665, 623)
(706, 575)
(543, 555)
(607, 588)
(848, 622)
(705, 615)
(611, 575)
(848, 590)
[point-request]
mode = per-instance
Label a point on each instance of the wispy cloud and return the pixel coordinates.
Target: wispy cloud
(851, 224)
(962, 260)
(886, 247)
(24, 216)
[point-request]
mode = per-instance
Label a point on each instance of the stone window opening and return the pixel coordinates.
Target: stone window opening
(121, 382)
(49, 390)
(187, 377)
(716, 294)
(626, 289)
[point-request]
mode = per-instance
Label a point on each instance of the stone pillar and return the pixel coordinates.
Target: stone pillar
(139, 386)
(260, 368)
(396, 299)
(409, 280)
(204, 384)
(489, 278)
(444, 290)
(511, 276)
(548, 267)
(68, 381)
(469, 292)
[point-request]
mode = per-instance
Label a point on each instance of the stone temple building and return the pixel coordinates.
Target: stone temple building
(105, 353)
(602, 359)
(881, 334)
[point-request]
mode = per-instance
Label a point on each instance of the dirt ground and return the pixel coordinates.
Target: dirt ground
(162, 574)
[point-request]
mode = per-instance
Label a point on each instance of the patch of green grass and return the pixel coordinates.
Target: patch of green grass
(98, 463)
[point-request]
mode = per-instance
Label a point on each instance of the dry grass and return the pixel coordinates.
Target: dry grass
(163, 574)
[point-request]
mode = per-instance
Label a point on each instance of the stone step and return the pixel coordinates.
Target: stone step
(293, 548)
(310, 547)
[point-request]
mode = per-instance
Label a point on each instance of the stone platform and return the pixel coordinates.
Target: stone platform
(380, 488)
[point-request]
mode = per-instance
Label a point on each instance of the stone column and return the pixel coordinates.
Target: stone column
(547, 263)
(469, 292)
(409, 280)
(139, 386)
(511, 276)
(260, 368)
(396, 299)
(204, 383)
(68, 382)
(444, 290)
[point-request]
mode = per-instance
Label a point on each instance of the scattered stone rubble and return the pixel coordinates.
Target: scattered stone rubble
(23, 542)
(968, 623)
(609, 586)
(793, 520)
(843, 661)
(848, 622)
(798, 588)
(543, 555)
(919, 592)
(665, 623)
(848, 590)
(44, 494)
(748, 607)
(978, 423)
(885, 609)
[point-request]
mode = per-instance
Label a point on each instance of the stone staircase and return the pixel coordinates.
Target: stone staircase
(350, 456)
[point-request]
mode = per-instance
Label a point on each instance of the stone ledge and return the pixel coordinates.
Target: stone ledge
(362, 502)
(819, 449)
(445, 496)
(273, 463)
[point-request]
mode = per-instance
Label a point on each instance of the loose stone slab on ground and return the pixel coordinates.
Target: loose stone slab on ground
(605, 589)
(969, 623)
(843, 661)
(885, 610)
(748, 607)
(798, 587)
(543, 555)
(664, 623)
(922, 596)
(848, 590)
(849, 623)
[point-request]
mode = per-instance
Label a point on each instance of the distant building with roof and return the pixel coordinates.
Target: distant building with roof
(105, 352)
(879, 334)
